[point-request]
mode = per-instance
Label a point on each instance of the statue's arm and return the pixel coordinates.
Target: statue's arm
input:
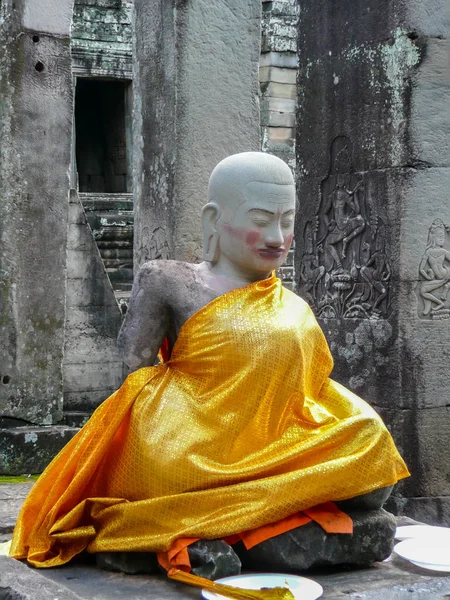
(147, 320)
(422, 267)
(329, 221)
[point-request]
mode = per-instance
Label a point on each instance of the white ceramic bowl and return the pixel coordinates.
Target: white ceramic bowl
(431, 553)
(415, 531)
(301, 587)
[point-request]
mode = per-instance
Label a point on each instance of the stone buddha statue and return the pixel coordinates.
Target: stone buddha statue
(236, 448)
(248, 226)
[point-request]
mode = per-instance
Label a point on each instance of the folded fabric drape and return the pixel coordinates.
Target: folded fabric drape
(240, 428)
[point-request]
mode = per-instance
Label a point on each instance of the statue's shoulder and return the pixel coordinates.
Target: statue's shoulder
(166, 269)
(300, 306)
(166, 277)
(295, 299)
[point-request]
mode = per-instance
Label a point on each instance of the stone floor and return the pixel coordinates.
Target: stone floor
(394, 579)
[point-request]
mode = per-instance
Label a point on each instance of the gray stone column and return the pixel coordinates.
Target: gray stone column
(35, 134)
(373, 161)
(196, 101)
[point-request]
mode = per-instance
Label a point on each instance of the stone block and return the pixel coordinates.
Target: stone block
(279, 8)
(281, 27)
(278, 75)
(421, 436)
(280, 134)
(278, 104)
(48, 16)
(31, 448)
(279, 59)
(274, 118)
(276, 43)
(90, 376)
(279, 90)
(84, 401)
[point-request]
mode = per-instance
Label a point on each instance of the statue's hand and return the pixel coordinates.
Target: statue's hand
(331, 225)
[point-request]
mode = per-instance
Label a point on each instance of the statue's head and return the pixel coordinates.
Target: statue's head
(436, 234)
(248, 223)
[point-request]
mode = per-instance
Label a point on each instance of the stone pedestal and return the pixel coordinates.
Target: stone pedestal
(195, 102)
(373, 245)
(35, 132)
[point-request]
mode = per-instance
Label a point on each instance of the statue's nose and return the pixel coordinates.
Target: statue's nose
(274, 237)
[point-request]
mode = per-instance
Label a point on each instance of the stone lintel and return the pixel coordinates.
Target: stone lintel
(31, 447)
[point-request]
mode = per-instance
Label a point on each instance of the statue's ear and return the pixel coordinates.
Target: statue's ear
(210, 216)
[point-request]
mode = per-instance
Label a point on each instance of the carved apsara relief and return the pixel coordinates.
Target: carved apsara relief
(345, 270)
(433, 287)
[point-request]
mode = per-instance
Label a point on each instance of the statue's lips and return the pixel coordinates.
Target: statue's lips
(271, 253)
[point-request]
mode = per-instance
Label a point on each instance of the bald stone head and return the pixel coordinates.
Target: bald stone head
(248, 221)
(229, 180)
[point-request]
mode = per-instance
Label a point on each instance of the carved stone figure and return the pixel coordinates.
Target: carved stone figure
(376, 272)
(434, 270)
(347, 273)
(342, 219)
(311, 272)
(237, 447)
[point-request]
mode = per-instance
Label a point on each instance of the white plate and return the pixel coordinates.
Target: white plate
(301, 587)
(414, 531)
(428, 553)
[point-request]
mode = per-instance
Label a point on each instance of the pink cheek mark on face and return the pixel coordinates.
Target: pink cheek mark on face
(252, 238)
(234, 231)
(288, 240)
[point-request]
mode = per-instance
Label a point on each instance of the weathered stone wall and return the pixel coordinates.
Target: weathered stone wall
(373, 175)
(196, 101)
(278, 78)
(278, 89)
(102, 38)
(101, 46)
(35, 129)
(93, 368)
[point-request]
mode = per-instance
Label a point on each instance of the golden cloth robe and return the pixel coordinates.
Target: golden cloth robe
(241, 427)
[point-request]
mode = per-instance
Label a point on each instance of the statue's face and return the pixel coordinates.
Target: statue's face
(440, 237)
(256, 232)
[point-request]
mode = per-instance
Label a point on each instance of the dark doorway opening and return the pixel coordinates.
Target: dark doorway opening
(101, 110)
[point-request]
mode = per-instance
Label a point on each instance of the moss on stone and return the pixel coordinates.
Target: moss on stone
(18, 478)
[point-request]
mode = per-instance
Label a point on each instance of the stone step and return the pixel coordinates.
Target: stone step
(115, 218)
(123, 286)
(115, 244)
(114, 233)
(118, 263)
(75, 419)
(32, 446)
(120, 275)
(118, 253)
